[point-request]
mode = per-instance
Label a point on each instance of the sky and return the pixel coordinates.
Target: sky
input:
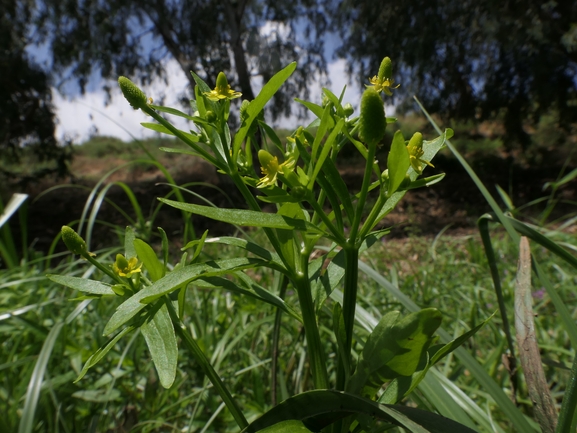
(82, 116)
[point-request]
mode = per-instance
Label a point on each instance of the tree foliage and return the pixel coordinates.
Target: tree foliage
(26, 111)
(133, 38)
(471, 58)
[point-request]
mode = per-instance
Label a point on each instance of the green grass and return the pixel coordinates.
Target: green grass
(449, 273)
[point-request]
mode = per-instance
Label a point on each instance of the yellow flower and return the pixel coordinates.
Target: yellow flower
(383, 85)
(383, 82)
(270, 167)
(415, 148)
(125, 268)
(222, 90)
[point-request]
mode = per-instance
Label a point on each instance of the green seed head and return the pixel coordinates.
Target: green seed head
(221, 82)
(386, 69)
(416, 144)
(372, 120)
(135, 97)
(73, 241)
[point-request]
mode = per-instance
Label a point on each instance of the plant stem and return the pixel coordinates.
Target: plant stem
(282, 283)
(206, 366)
(349, 305)
(363, 193)
(315, 348)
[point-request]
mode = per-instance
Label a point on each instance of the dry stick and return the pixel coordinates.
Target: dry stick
(527, 341)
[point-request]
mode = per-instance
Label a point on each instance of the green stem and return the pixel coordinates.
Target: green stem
(206, 366)
(314, 345)
(283, 283)
(373, 215)
(364, 191)
(567, 417)
(349, 305)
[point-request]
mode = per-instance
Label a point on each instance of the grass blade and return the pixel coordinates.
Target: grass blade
(33, 392)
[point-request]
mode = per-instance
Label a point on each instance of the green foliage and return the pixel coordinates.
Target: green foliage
(213, 315)
(153, 298)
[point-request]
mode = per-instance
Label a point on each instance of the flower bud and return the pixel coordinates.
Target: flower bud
(348, 109)
(372, 123)
(135, 97)
(210, 116)
(73, 241)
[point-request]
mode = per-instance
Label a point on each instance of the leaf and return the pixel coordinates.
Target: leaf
(170, 282)
(402, 386)
(286, 237)
(250, 288)
(161, 341)
(398, 162)
(98, 395)
(289, 426)
(529, 355)
(317, 110)
(129, 237)
(163, 129)
(395, 348)
(172, 111)
(148, 257)
(256, 105)
(320, 408)
(101, 352)
(82, 284)
(245, 217)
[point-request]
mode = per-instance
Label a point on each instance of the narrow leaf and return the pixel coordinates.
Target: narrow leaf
(528, 347)
(161, 341)
(398, 162)
(245, 217)
(148, 257)
(82, 284)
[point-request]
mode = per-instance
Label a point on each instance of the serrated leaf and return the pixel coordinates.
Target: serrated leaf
(149, 260)
(161, 341)
(82, 284)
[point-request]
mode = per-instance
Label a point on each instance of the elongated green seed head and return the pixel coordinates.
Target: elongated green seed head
(135, 97)
(73, 241)
(386, 69)
(372, 120)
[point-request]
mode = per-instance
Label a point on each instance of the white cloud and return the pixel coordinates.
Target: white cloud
(89, 114)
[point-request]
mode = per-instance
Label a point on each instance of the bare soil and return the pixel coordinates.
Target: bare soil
(454, 202)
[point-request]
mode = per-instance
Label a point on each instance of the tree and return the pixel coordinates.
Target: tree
(132, 38)
(471, 58)
(26, 111)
